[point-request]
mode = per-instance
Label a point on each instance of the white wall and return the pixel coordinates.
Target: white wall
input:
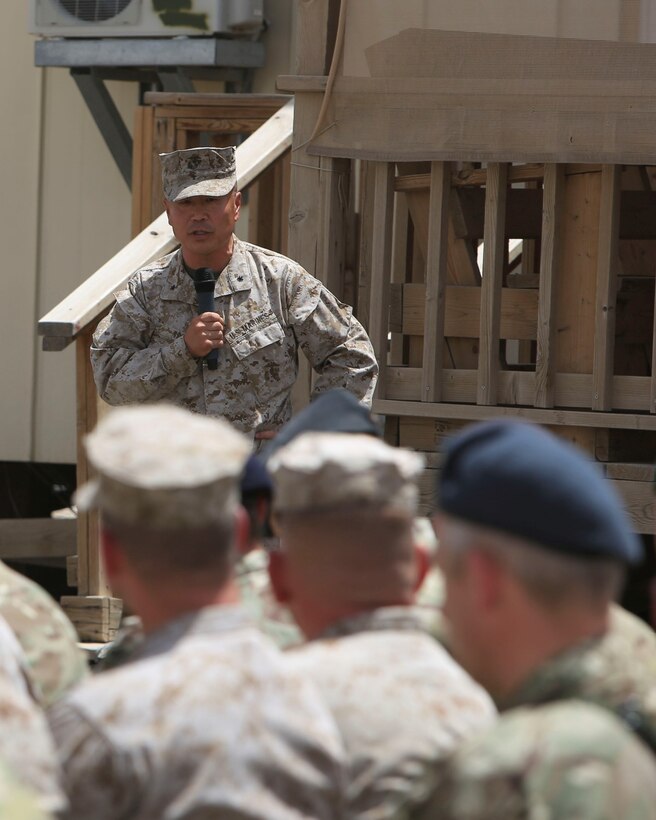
(65, 211)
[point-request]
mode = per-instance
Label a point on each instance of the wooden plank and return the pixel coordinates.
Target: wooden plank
(198, 99)
(571, 390)
(366, 230)
(383, 212)
(652, 404)
(22, 538)
(436, 275)
(96, 618)
(470, 176)
(631, 472)
(96, 293)
(550, 259)
(518, 314)
(494, 258)
(472, 412)
(398, 275)
(606, 291)
(334, 185)
(639, 502)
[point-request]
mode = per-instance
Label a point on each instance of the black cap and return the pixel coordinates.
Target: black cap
(522, 480)
(335, 411)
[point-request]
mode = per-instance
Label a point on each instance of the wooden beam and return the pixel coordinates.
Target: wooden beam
(494, 258)
(22, 538)
(473, 412)
(550, 256)
(381, 262)
(436, 276)
(606, 292)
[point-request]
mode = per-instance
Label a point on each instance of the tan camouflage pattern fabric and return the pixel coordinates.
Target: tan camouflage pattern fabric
(270, 306)
(206, 721)
(26, 746)
(16, 802)
(401, 703)
(198, 172)
(616, 671)
(54, 662)
(320, 470)
(563, 761)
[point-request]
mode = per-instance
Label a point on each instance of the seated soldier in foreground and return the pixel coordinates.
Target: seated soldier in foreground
(53, 661)
(533, 545)
(26, 747)
(348, 570)
(206, 720)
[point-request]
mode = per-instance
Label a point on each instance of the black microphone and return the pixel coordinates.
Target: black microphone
(204, 284)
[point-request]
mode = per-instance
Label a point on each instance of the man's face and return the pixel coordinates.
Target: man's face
(204, 226)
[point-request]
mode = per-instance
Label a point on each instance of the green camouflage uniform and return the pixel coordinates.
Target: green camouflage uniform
(47, 638)
(617, 671)
(561, 761)
(270, 305)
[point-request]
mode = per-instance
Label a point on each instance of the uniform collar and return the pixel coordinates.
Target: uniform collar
(389, 618)
(235, 277)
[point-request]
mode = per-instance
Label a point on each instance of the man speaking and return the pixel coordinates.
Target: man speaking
(154, 343)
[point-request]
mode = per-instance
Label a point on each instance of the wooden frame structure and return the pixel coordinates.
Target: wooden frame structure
(452, 164)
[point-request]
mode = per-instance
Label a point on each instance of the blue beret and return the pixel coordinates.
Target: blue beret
(335, 411)
(522, 480)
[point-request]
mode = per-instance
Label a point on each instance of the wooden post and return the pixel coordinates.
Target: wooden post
(494, 257)
(550, 256)
(605, 312)
(436, 274)
(381, 264)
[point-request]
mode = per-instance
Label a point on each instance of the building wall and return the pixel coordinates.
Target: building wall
(66, 211)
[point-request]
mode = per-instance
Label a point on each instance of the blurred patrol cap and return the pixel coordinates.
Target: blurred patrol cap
(318, 471)
(164, 467)
(198, 172)
(520, 479)
(335, 411)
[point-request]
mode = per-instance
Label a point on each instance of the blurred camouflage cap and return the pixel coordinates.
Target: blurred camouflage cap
(198, 172)
(164, 467)
(322, 470)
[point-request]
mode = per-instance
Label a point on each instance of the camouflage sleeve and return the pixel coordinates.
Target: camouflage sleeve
(98, 781)
(567, 760)
(335, 343)
(127, 368)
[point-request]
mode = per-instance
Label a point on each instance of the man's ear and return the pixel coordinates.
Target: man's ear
(242, 531)
(237, 205)
(112, 554)
(279, 577)
(422, 565)
(487, 575)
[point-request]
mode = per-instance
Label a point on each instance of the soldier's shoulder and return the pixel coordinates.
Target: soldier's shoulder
(567, 758)
(47, 638)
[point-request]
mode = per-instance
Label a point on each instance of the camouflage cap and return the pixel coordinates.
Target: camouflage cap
(164, 467)
(198, 172)
(323, 470)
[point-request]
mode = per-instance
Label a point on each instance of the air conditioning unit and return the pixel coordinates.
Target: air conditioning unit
(144, 18)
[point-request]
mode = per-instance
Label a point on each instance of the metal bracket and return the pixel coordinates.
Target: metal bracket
(107, 117)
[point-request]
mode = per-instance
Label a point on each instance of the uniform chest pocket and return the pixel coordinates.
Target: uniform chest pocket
(245, 343)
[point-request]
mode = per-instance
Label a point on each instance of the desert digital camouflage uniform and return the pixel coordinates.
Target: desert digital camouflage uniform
(54, 661)
(401, 703)
(270, 306)
(26, 746)
(561, 761)
(206, 721)
(616, 671)
(16, 802)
